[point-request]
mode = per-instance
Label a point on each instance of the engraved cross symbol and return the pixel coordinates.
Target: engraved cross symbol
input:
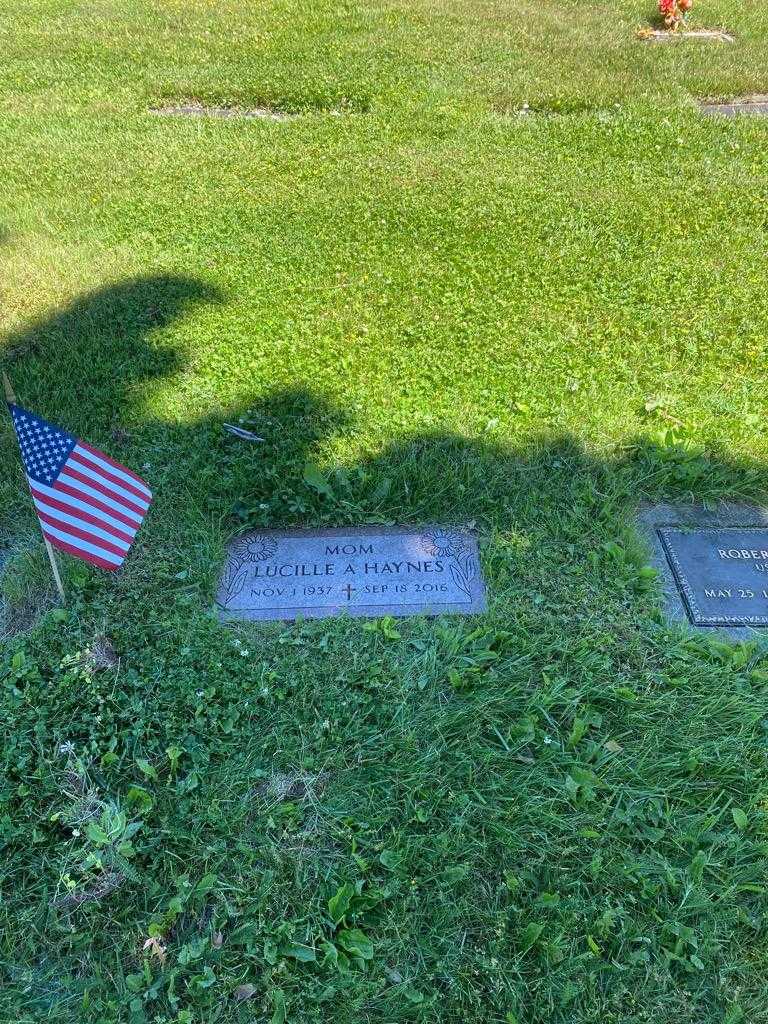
(349, 590)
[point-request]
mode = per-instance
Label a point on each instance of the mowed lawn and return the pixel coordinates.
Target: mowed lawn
(433, 309)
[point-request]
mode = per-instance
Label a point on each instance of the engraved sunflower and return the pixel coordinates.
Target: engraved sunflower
(442, 543)
(256, 549)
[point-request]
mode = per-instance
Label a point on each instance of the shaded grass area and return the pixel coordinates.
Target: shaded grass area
(552, 812)
(555, 811)
(535, 838)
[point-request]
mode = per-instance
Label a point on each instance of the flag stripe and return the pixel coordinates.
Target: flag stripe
(122, 484)
(81, 548)
(94, 479)
(97, 496)
(73, 531)
(89, 530)
(104, 462)
(54, 496)
(115, 465)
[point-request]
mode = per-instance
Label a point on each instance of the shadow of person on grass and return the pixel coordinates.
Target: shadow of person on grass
(83, 368)
(448, 478)
(82, 365)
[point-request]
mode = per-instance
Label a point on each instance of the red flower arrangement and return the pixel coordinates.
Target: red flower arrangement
(674, 12)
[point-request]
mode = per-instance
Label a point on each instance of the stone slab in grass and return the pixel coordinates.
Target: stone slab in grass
(193, 109)
(706, 34)
(284, 574)
(713, 564)
(749, 106)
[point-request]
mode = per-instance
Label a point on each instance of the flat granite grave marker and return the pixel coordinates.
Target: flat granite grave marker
(713, 562)
(659, 35)
(722, 573)
(281, 574)
(193, 109)
(749, 106)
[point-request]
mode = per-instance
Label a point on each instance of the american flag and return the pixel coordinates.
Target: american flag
(89, 505)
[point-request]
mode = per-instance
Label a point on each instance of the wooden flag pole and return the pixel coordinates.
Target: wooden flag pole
(10, 397)
(55, 568)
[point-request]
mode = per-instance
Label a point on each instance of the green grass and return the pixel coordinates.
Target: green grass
(554, 812)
